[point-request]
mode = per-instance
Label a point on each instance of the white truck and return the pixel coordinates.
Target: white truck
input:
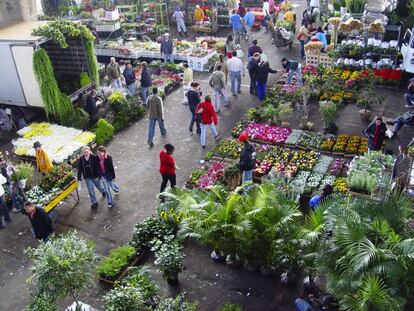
(18, 85)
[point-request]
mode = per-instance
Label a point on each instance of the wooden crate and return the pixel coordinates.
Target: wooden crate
(319, 59)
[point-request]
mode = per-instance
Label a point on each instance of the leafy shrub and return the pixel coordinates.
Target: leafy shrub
(252, 114)
(124, 298)
(145, 231)
(85, 15)
(79, 119)
(41, 303)
(116, 100)
(104, 131)
(178, 303)
(116, 261)
(139, 278)
(84, 79)
(24, 170)
(231, 307)
(121, 121)
(169, 257)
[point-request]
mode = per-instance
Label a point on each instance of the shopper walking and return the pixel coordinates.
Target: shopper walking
(156, 114)
(235, 66)
(3, 206)
(130, 80)
(42, 224)
(249, 19)
(167, 167)
(208, 119)
(252, 66)
(217, 82)
(376, 134)
(236, 23)
(187, 80)
(88, 168)
(108, 174)
(114, 73)
(253, 49)
(179, 19)
(167, 48)
(303, 36)
(43, 163)
(223, 65)
(230, 46)
(262, 73)
(146, 82)
(194, 98)
(12, 186)
(247, 158)
(292, 67)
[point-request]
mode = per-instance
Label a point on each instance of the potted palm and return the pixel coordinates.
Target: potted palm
(329, 111)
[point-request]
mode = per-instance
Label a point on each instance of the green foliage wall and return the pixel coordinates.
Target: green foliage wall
(59, 29)
(56, 103)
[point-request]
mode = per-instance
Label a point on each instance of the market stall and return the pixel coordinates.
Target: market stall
(63, 144)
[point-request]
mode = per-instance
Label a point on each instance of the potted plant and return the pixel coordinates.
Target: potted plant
(169, 257)
(116, 262)
(24, 171)
(63, 268)
(329, 112)
(179, 303)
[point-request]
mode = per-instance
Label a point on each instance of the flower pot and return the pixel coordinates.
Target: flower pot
(172, 280)
(84, 307)
(233, 261)
(217, 256)
(365, 114)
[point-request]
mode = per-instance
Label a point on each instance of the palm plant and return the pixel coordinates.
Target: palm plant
(366, 251)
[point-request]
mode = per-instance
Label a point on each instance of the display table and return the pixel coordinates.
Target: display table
(67, 192)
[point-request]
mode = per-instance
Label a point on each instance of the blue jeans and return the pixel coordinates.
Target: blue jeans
(193, 120)
(108, 185)
(132, 89)
(90, 184)
(302, 48)
(247, 175)
(302, 305)
(236, 35)
(220, 93)
(168, 58)
(116, 83)
(261, 90)
(151, 129)
(145, 93)
(235, 76)
(298, 72)
(408, 99)
(4, 210)
(203, 132)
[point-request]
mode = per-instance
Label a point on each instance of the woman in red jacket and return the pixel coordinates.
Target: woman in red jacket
(208, 119)
(167, 167)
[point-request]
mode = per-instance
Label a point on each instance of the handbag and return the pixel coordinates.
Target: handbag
(240, 53)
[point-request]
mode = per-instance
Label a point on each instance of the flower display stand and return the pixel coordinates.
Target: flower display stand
(63, 195)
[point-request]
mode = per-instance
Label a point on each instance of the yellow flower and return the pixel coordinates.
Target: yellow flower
(38, 129)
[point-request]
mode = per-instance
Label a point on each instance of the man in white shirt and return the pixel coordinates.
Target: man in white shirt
(266, 12)
(235, 66)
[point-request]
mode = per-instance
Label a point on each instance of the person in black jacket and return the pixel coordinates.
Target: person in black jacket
(88, 167)
(130, 80)
(376, 134)
(106, 167)
(261, 76)
(247, 158)
(194, 98)
(252, 66)
(146, 82)
(41, 223)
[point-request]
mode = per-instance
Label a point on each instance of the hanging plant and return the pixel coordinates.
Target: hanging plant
(60, 29)
(56, 103)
